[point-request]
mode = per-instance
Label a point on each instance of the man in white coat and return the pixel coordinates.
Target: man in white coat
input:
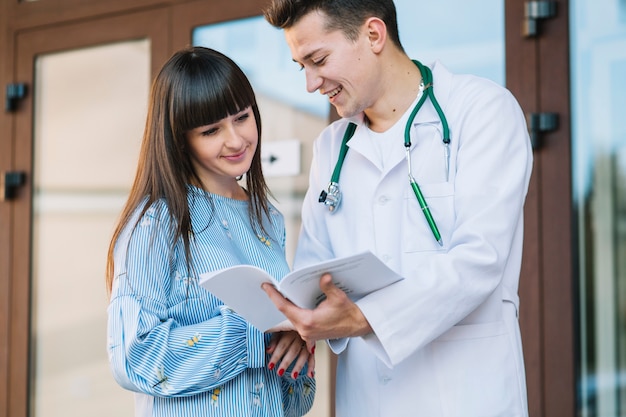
(444, 341)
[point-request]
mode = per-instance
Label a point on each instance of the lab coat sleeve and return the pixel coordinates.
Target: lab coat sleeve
(443, 289)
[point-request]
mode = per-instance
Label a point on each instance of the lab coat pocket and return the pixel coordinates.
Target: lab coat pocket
(417, 234)
(476, 372)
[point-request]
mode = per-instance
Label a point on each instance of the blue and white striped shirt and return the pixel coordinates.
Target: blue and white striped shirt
(175, 344)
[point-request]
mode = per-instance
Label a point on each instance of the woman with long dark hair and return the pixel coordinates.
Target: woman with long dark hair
(176, 345)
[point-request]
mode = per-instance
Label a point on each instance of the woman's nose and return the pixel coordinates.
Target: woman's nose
(233, 138)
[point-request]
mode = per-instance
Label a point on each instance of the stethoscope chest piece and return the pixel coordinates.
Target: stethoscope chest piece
(331, 197)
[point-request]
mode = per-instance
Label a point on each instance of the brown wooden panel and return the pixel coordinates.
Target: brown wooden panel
(537, 73)
(556, 208)
(521, 76)
(6, 210)
(49, 12)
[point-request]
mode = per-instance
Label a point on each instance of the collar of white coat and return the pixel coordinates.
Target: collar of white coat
(442, 81)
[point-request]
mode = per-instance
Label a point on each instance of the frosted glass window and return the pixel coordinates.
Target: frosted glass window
(90, 109)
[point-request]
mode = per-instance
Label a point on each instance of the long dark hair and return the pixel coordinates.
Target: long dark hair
(196, 87)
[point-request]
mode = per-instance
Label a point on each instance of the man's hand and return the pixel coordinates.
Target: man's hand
(335, 317)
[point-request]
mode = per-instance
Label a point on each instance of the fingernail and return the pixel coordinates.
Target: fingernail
(313, 350)
(271, 365)
(312, 374)
(295, 375)
(281, 372)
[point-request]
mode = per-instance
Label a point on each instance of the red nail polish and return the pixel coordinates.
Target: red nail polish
(271, 366)
(295, 375)
(281, 372)
(313, 350)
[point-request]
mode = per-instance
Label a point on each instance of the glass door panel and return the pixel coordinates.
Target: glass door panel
(90, 107)
(598, 62)
(468, 40)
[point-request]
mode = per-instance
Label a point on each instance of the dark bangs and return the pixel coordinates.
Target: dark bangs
(207, 91)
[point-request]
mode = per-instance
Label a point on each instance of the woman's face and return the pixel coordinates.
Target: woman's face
(222, 151)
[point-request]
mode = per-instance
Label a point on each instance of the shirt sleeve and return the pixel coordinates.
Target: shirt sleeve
(149, 351)
(298, 394)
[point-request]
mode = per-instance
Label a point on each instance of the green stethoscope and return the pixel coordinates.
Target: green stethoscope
(331, 197)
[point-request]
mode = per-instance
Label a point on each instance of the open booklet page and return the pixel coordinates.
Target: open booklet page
(239, 286)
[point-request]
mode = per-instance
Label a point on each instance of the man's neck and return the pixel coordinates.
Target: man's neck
(399, 90)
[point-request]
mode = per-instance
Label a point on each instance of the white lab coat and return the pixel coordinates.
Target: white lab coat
(446, 339)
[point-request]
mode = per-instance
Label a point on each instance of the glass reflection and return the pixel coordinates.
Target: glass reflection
(598, 45)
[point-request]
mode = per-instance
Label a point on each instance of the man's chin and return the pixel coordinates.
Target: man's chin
(345, 113)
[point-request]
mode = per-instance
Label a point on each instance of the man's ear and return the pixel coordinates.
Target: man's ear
(376, 33)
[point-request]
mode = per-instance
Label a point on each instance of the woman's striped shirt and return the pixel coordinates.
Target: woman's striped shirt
(175, 344)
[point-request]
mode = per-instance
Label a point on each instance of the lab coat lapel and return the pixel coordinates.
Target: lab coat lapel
(361, 143)
(427, 114)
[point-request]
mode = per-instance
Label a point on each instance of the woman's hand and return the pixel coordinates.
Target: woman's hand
(286, 348)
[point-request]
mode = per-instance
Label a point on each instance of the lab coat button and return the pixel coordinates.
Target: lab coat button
(386, 258)
(385, 379)
(382, 200)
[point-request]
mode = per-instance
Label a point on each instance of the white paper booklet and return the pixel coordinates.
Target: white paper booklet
(239, 286)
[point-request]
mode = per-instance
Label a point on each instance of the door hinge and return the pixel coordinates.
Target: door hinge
(535, 11)
(9, 184)
(14, 93)
(539, 123)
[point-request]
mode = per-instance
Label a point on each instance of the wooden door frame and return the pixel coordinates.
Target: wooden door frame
(538, 75)
(150, 24)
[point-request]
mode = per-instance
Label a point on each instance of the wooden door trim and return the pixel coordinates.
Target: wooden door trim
(40, 14)
(521, 79)
(557, 225)
(538, 75)
(6, 211)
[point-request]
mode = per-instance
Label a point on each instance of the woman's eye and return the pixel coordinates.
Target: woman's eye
(243, 117)
(209, 132)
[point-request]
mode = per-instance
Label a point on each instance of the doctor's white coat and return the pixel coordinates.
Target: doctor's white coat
(446, 339)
